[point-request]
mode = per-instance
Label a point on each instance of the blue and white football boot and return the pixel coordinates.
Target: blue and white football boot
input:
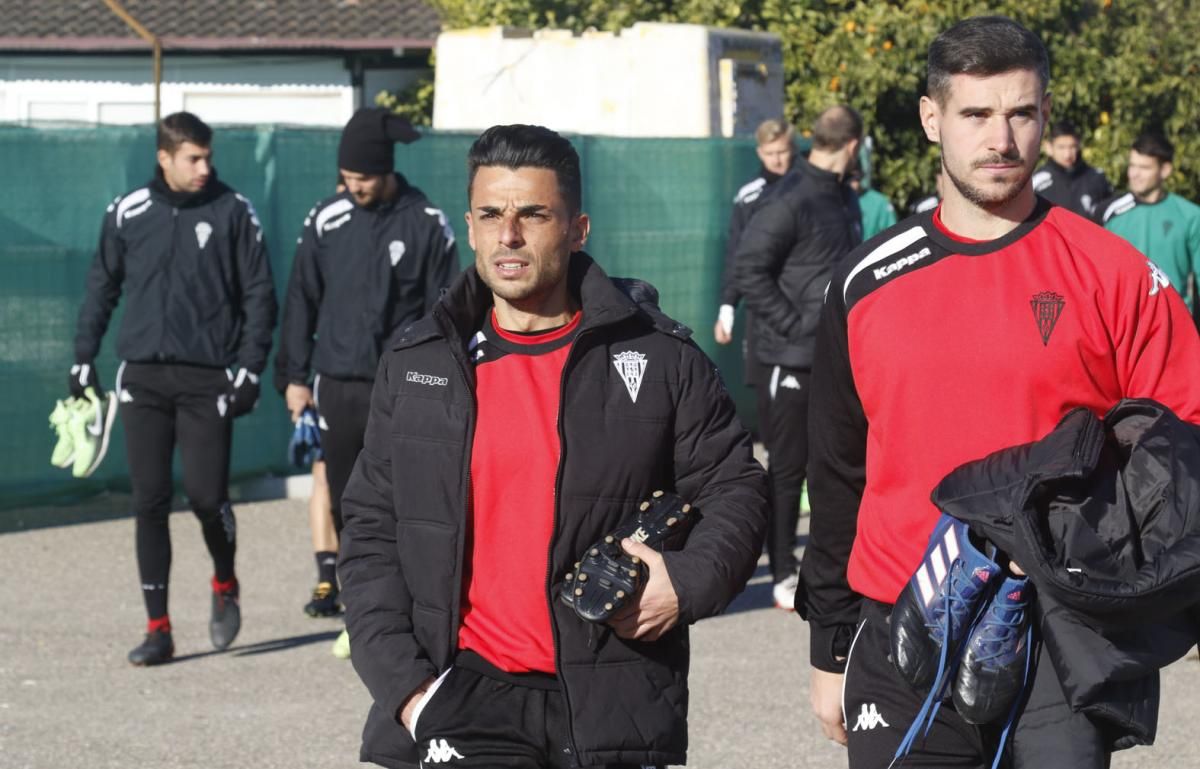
(996, 658)
(935, 612)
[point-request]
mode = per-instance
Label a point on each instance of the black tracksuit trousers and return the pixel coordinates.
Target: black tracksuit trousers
(879, 706)
(343, 405)
(783, 422)
(164, 405)
(475, 715)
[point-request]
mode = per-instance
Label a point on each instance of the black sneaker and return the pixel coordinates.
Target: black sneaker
(226, 618)
(156, 649)
(324, 601)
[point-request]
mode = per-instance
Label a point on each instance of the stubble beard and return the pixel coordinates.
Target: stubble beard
(998, 195)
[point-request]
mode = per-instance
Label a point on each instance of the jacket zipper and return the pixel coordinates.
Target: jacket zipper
(562, 454)
(162, 327)
(456, 600)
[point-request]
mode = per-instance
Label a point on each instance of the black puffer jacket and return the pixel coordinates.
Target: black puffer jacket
(785, 257)
(405, 513)
(1105, 519)
(196, 277)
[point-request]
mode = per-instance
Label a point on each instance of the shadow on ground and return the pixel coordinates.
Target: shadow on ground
(265, 647)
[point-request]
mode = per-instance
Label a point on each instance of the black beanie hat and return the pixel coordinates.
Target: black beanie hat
(367, 141)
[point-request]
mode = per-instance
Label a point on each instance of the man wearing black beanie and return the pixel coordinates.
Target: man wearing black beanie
(369, 261)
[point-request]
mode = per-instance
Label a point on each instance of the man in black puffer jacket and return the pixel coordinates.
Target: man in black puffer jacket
(513, 427)
(783, 264)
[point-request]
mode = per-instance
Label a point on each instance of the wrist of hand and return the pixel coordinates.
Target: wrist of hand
(725, 317)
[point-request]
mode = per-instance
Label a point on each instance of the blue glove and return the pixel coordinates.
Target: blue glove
(305, 446)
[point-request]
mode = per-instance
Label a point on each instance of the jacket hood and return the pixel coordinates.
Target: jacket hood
(603, 300)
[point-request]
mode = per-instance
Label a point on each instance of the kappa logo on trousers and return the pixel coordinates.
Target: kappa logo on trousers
(440, 752)
(869, 718)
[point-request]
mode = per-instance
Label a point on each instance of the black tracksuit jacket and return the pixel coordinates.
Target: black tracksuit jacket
(1079, 189)
(360, 276)
(785, 256)
(749, 198)
(406, 513)
(196, 277)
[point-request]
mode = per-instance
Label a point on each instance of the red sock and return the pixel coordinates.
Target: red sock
(224, 587)
(160, 624)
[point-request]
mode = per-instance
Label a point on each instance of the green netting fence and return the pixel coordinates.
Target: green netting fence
(659, 211)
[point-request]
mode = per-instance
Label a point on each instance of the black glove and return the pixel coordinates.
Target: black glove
(607, 577)
(81, 377)
(243, 396)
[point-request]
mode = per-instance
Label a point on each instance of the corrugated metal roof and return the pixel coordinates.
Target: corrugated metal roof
(89, 25)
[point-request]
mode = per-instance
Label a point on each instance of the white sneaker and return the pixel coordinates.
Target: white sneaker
(785, 593)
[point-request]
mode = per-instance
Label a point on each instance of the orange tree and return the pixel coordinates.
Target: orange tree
(1118, 66)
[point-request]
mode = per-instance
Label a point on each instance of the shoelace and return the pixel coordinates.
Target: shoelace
(933, 702)
(1004, 630)
(937, 690)
(322, 591)
(958, 604)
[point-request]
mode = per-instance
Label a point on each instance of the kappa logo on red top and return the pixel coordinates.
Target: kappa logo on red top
(1158, 278)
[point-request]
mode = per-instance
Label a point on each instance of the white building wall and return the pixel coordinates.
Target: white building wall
(650, 80)
(233, 89)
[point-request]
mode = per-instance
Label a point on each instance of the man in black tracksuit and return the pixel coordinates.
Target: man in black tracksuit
(369, 261)
(784, 260)
(513, 427)
(1065, 180)
(199, 310)
(776, 150)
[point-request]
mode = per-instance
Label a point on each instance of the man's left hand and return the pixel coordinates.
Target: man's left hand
(657, 607)
(243, 394)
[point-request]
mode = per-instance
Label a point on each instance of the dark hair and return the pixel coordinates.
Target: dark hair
(528, 146)
(983, 46)
(1154, 144)
(180, 127)
(835, 128)
(1064, 128)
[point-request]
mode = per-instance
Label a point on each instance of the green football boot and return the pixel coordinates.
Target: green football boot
(91, 425)
(60, 421)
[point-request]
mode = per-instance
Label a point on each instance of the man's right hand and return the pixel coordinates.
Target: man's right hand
(723, 329)
(406, 710)
(81, 377)
(720, 334)
(297, 397)
(825, 693)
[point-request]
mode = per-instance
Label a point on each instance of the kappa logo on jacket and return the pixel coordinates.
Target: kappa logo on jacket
(133, 204)
(447, 230)
(441, 752)
(631, 365)
(203, 231)
(426, 379)
(396, 251)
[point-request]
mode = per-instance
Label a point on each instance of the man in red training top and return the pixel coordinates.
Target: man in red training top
(955, 333)
(520, 421)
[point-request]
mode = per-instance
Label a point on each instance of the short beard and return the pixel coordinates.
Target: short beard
(990, 199)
